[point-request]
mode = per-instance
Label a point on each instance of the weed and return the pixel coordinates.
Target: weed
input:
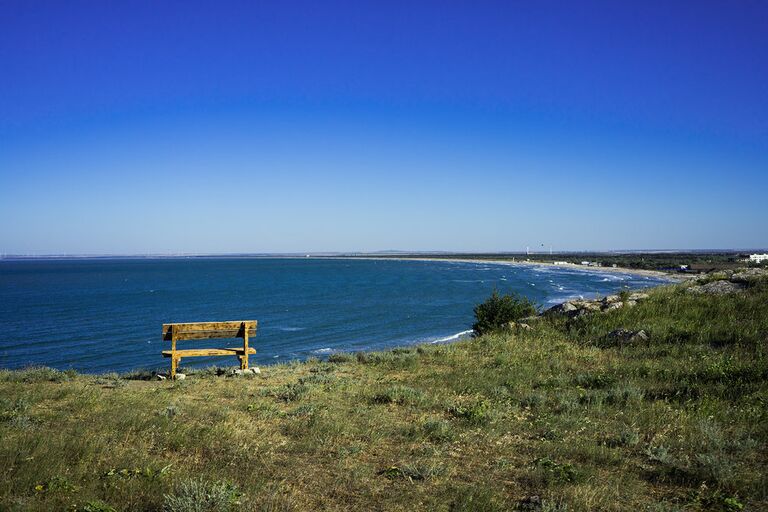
(401, 395)
(475, 412)
(554, 472)
(437, 431)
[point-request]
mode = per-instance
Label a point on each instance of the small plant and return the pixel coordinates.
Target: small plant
(288, 392)
(438, 431)
(319, 378)
(477, 498)
(341, 357)
(148, 473)
(474, 412)
(552, 471)
(93, 506)
(56, 484)
(400, 395)
(593, 380)
(498, 310)
(201, 496)
(37, 374)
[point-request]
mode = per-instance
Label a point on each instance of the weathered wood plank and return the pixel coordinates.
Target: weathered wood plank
(199, 352)
(208, 330)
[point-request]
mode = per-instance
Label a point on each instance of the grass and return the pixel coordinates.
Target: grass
(556, 418)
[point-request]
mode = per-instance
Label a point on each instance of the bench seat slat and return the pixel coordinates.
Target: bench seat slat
(195, 352)
(209, 330)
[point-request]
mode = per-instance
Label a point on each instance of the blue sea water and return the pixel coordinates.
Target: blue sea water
(99, 315)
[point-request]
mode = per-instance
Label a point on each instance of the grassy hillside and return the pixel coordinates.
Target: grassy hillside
(556, 418)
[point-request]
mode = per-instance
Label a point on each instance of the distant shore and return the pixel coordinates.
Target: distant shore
(572, 266)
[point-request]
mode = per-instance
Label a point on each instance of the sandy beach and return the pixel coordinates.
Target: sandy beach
(572, 266)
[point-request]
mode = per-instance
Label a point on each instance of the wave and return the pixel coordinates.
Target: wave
(453, 337)
(326, 350)
(290, 329)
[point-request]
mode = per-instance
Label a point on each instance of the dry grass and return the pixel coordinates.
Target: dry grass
(678, 423)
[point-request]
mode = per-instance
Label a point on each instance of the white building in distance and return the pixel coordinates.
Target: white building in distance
(758, 258)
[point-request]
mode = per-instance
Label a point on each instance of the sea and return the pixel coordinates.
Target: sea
(105, 314)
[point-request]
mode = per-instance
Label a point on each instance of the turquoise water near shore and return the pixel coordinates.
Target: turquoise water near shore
(99, 315)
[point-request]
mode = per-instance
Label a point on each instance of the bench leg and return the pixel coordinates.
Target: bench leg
(174, 364)
(244, 360)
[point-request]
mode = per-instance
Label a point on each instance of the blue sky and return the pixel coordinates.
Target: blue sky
(166, 127)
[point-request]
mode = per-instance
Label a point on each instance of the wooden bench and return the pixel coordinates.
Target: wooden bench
(205, 331)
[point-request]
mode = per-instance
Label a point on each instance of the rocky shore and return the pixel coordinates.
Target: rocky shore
(715, 283)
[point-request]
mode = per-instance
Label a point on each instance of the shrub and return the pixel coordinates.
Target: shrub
(499, 310)
(290, 392)
(341, 357)
(201, 496)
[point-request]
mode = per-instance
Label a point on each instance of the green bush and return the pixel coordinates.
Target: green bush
(499, 310)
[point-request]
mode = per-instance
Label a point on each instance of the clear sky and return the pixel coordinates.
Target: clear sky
(166, 127)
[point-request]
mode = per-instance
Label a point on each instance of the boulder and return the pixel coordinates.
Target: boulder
(611, 306)
(180, 376)
(717, 288)
(630, 303)
(160, 377)
(564, 308)
(627, 336)
(591, 306)
(611, 299)
(638, 296)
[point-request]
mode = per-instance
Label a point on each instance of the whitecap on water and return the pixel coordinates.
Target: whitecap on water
(453, 337)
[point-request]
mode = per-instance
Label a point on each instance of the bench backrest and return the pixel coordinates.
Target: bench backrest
(209, 330)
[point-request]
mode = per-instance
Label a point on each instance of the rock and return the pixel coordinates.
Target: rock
(249, 371)
(626, 336)
(611, 299)
(180, 376)
(564, 308)
(749, 276)
(612, 306)
(637, 296)
(530, 319)
(515, 326)
(630, 303)
(161, 377)
(530, 503)
(591, 306)
(718, 288)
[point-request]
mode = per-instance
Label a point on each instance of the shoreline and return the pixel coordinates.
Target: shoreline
(449, 338)
(571, 266)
